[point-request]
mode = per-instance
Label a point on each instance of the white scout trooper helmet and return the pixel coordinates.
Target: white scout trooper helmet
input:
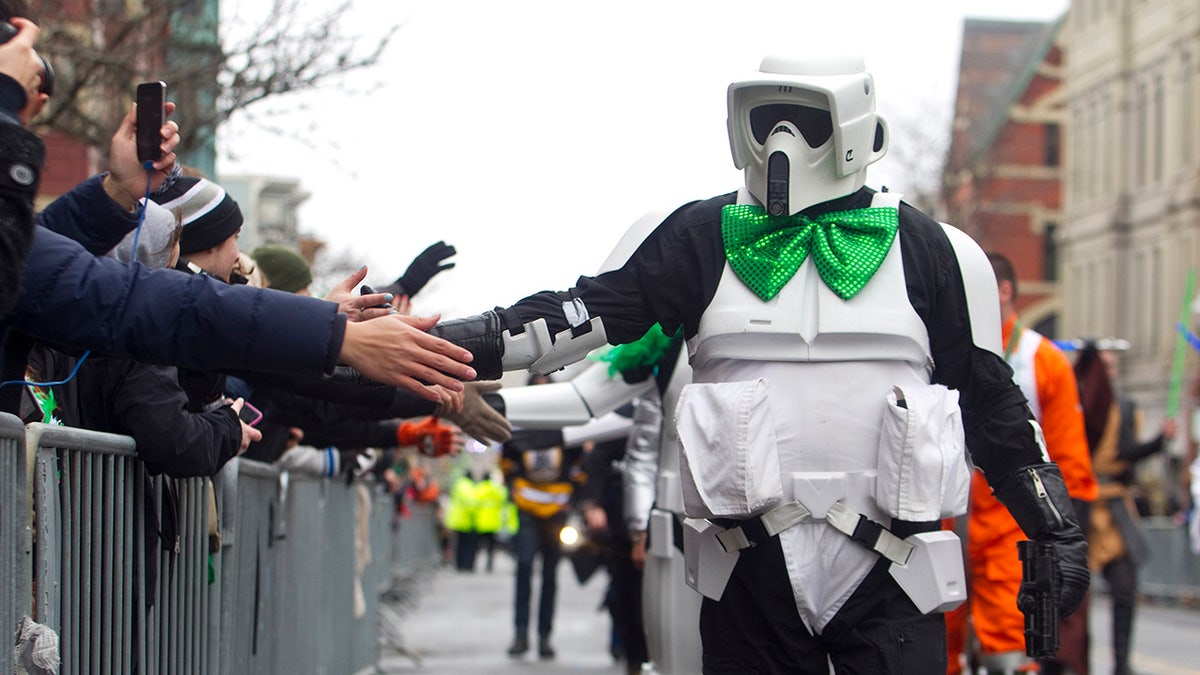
(804, 129)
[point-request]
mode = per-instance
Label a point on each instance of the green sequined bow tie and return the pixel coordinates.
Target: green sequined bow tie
(847, 246)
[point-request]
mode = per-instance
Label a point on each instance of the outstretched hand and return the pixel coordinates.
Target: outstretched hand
(397, 350)
(425, 266)
(358, 307)
(478, 419)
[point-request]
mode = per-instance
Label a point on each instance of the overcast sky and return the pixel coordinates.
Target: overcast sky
(530, 134)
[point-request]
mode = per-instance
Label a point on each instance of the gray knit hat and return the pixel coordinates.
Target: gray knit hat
(154, 242)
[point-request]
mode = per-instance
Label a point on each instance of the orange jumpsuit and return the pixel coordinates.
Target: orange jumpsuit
(994, 572)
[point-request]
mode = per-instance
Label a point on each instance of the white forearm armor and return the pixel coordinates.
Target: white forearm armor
(590, 394)
(608, 427)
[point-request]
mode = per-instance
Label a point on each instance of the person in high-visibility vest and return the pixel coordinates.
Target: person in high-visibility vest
(491, 498)
(461, 511)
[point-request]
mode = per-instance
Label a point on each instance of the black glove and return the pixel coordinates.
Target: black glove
(1037, 498)
(480, 335)
(423, 268)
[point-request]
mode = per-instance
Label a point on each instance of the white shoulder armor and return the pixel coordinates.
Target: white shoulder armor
(979, 282)
(632, 239)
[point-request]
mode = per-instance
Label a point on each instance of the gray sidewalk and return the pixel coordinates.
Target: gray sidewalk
(462, 623)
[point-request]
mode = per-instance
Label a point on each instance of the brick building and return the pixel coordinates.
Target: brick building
(1002, 182)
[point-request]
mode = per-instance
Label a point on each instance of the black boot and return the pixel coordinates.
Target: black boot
(1122, 616)
(545, 650)
(519, 646)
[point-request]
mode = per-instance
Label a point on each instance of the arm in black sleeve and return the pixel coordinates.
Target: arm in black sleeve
(357, 396)
(1001, 434)
(22, 156)
(351, 434)
(669, 279)
(1140, 451)
(998, 424)
(152, 408)
(1134, 452)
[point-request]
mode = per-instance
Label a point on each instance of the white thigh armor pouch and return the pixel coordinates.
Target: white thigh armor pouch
(707, 565)
(922, 470)
(933, 576)
(729, 468)
(729, 460)
(922, 476)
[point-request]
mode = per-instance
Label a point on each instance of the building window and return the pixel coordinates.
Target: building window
(1187, 133)
(1140, 122)
(1052, 141)
(1156, 162)
(1050, 252)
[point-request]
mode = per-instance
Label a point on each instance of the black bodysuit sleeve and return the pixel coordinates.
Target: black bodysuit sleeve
(998, 423)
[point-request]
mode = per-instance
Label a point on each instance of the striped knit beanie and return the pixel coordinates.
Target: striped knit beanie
(209, 215)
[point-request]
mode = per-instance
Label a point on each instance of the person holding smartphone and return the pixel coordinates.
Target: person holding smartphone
(145, 401)
(159, 315)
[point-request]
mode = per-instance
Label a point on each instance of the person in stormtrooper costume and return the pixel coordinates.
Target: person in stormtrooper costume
(843, 346)
(653, 496)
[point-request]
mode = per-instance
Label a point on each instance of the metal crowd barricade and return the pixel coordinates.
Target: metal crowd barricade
(251, 528)
(287, 572)
(289, 582)
(374, 580)
(417, 543)
(116, 604)
(1172, 572)
(15, 541)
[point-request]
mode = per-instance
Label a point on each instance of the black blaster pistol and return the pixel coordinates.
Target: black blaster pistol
(1038, 583)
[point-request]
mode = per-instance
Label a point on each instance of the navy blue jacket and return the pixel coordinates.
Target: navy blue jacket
(72, 300)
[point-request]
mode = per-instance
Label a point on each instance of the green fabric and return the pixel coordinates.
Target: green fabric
(847, 246)
(646, 351)
(46, 401)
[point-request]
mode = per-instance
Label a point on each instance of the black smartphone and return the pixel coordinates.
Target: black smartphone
(249, 414)
(367, 290)
(151, 115)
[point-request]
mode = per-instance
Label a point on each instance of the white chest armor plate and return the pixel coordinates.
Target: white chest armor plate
(808, 322)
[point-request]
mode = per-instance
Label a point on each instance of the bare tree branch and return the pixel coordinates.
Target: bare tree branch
(98, 59)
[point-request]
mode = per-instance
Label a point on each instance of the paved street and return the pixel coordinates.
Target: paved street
(463, 624)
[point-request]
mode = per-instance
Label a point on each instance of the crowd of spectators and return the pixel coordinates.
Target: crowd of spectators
(126, 307)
